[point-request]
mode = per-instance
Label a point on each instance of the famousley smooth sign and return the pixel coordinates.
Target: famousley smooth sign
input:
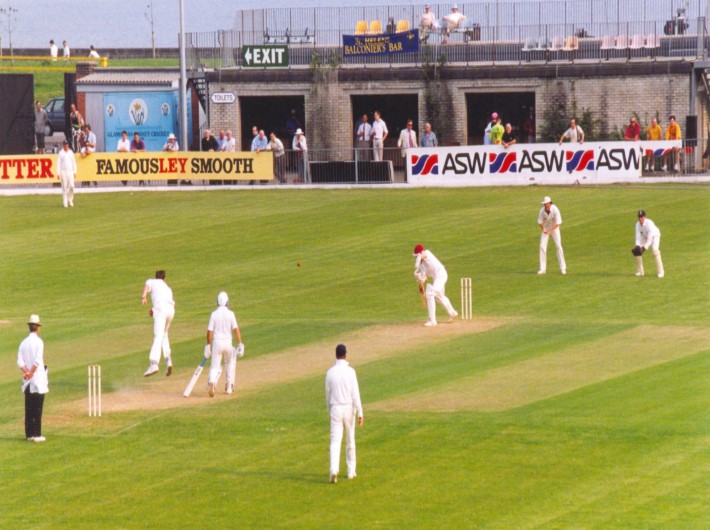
(364, 45)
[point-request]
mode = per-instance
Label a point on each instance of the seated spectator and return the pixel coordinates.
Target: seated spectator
(633, 131)
(427, 24)
(89, 141)
(172, 144)
(672, 133)
(508, 138)
(653, 133)
(453, 21)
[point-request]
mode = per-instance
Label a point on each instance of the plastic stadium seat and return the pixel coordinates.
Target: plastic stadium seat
(529, 45)
(361, 27)
(402, 25)
(608, 42)
(637, 42)
(652, 41)
(375, 27)
(571, 44)
(542, 44)
(557, 44)
(622, 42)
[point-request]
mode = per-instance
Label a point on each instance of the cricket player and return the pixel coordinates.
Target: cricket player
(66, 164)
(163, 312)
(342, 396)
(427, 266)
(647, 236)
(550, 220)
(222, 324)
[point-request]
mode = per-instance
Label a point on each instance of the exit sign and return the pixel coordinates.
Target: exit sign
(265, 56)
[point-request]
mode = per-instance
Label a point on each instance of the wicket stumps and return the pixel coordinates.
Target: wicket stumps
(94, 390)
(466, 299)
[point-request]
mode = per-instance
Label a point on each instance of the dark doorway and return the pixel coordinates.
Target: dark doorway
(516, 108)
(395, 109)
(270, 113)
(16, 114)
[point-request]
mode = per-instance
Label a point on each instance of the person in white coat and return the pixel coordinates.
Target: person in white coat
(407, 138)
(426, 265)
(163, 312)
(342, 396)
(223, 322)
(648, 236)
(30, 360)
(550, 220)
(66, 165)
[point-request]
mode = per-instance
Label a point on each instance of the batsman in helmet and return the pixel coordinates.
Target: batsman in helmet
(426, 266)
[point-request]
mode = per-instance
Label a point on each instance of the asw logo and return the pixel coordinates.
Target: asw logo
(503, 163)
(657, 152)
(425, 165)
(580, 160)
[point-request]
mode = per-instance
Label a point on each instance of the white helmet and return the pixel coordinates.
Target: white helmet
(222, 299)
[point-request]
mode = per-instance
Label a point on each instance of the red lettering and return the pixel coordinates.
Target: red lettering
(182, 162)
(19, 165)
(172, 164)
(47, 168)
(32, 166)
(3, 166)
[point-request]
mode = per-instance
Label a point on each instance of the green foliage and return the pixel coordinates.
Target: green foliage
(557, 122)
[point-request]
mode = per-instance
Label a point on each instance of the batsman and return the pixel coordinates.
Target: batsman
(223, 322)
(426, 266)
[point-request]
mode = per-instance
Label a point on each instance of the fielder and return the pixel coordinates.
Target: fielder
(342, 396)
(647, 236)
(163, 312)
(427, 266)
(550, 220)
(66, 165)
(219, 342)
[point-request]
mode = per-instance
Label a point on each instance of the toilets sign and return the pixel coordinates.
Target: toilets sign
(265, 56)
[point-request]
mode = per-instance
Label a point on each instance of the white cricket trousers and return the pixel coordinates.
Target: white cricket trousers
(222, 348)
(162, 317)
(436, 291)
(67, 178)
(557, 238)
(342, 417)
(654, 246)
(377, 148)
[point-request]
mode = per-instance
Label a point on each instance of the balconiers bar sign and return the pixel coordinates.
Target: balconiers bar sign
(383, 44)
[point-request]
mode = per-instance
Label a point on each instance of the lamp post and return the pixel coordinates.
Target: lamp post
(149, 16)
(9, 12)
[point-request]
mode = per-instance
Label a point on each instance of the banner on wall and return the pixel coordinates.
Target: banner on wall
(523, 163)
(39, 169)
(382, 44)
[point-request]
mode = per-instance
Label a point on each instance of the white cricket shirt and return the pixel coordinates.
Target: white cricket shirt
(428, 264)
(222, 323)
(548, 220)
(341, 386)
(160, 294)
(646, 232)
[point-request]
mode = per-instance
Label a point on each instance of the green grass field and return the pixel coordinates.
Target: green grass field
(569, 402)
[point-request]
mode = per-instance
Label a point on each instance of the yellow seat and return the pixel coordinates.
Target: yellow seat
(375, 27)
(361, 27)
(402, 25)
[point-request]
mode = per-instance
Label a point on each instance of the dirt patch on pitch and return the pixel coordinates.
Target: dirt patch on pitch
(370, 344)
(557, 373)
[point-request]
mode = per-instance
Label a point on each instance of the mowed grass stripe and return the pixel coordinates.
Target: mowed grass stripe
(559, 372)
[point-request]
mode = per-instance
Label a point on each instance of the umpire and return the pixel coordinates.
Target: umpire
(30, 359)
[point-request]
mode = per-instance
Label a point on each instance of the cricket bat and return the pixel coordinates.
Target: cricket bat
(422, 295)
(195, 377)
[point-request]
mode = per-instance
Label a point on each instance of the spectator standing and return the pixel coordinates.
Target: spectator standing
(220, 140)
(53, 50)
(66, 165)
(137, 144)
(41, 119)
(487, 130)
(653, 133)
(364, 138)
(429, 137)
(300, 146)
(574, 134)
(93, 53)
(124, 144)
(35, 384)
(66, 52)
(342, 396)
(208, 142)
(497, 132)
(277, 147)
(171, 145)
(230, 144)
(508, 138)
(672, 133)
(407, 138)
(379, 135)
(259, 143)
(633, 130)
(77, 125)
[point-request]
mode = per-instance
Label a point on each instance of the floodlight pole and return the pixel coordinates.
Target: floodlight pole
(183, 80)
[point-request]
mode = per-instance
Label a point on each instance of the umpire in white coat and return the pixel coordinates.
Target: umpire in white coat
(30, 359)
(550, 220)
(342, 395)
(648, 236)
(223, 322)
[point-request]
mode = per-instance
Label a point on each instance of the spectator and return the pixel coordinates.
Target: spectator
(497, 132)
(292, 124)
(672, 133)
(89, 144)
(259, 143)
(379, 135)
(429, 137)
(529, 129)
(137, 145)
(172, 144)
(508, 138)
(220, 140)
(230, 144)
(574, 134)
(453, 21)
(124, 146)
(427, 24)
(66, 51)
(633, 131)
(41, 119)
(209, 142)
(653, 134)
(364, 138)
(487, 130)
(407, 138)
(300, 146)
(277, 147)
(93, 53)
(77, 126)
(53, 50)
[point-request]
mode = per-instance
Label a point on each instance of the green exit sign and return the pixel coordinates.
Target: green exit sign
(264, 56)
